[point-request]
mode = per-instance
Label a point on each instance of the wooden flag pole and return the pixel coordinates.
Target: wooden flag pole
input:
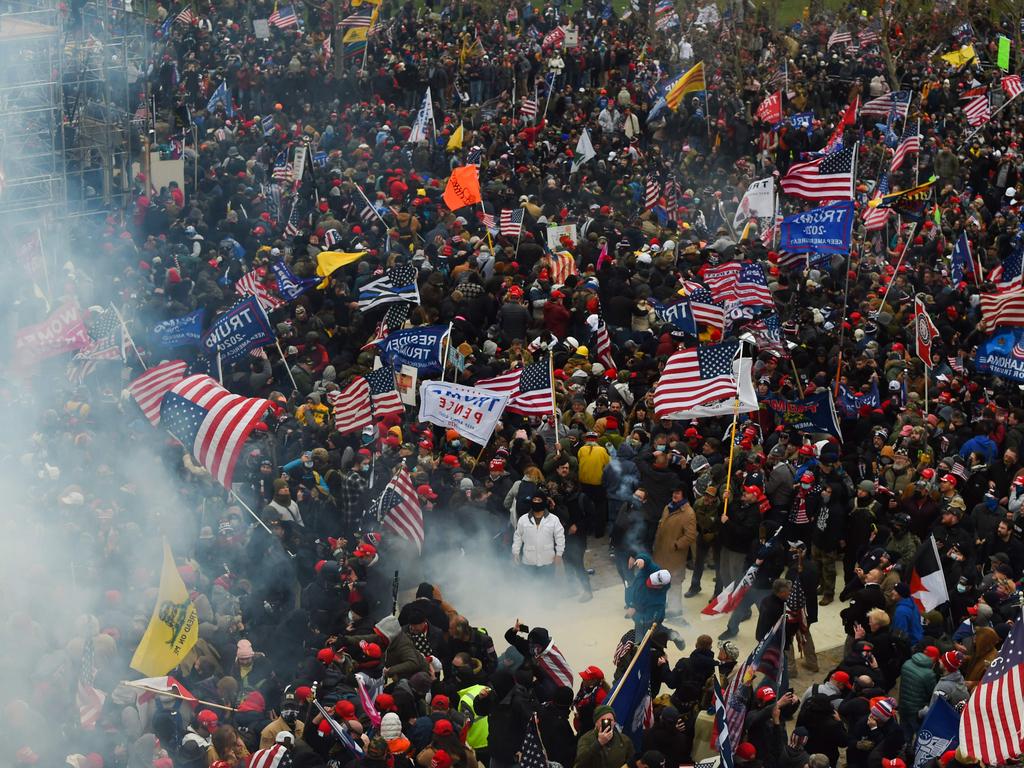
(632, 662)
(158, 692)
(277, 343)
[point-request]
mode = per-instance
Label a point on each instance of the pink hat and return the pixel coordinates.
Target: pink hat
(244, 651)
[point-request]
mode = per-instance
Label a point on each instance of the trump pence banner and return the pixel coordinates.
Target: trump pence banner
(472, 412)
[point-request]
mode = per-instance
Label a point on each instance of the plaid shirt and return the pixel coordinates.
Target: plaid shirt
(350, 497)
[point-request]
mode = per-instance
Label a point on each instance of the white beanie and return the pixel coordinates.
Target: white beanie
(390, 726)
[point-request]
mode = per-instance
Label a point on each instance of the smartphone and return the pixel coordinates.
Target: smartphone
(606, 725)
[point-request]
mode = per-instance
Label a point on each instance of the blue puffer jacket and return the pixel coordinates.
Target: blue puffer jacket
(907, 619)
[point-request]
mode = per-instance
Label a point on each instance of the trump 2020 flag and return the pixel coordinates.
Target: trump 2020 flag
(962, 260)
(179, 331)
(1003, 354)
(289, 285)
(814, 414)
(826, 229)
(242, 328)
(423, 119)
(631, 697)
(173, 628)
(927, 581)
(416, 347)
(939, 732)
(222, 97)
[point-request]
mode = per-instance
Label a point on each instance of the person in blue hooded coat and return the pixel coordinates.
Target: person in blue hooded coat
(647, 595)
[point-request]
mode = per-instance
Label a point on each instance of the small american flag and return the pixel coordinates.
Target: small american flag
(827, 178)
(474, 155)
(528, 109)
(282, 169)
(956, 363)
(282, 18)
(90, 701)
(251, 284)
(511, 222)
(529, 389)
(149, 388)
(532, 753)
(1007, 276)
(187, 16)
(875, 218)
(487, 219)
(695, 376)
(704, 307)
(400, 508)
(291, 227)
(84, 362)
(652, 191)
(992, 724)
(603, 346)
(383, 394)
(1012, 87)
(768, 334)
(351, 406)
(839, 37)
(977, 110)
(552, 662)
(212, 423)
(896, 101)
(562, 265)
(909, 142)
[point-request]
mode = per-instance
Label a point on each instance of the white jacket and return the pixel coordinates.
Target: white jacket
(540, 544)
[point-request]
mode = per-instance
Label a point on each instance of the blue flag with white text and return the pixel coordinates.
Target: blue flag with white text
(416, 347)
(179, 331)
(1002, 355)
(289, 285)
(238, 331)
(939, 732)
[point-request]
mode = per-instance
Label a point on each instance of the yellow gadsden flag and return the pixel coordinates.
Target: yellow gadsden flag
(959, 58)
(173, 628)
(328, 261)
(455, 141)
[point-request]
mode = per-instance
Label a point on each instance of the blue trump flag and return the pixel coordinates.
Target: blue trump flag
(289, 285)
(238, 331)
(816, 413)
(962, 261)
(939, 732)
(803, 120)
(179, 331)
(679, 314)
(827, 229)
(850, 403)
(631, 697)
(416, 347)
(1003, 355)
(221, 97)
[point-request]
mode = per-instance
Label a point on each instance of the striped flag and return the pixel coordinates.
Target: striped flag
(397, 284)
(351, 406)
(839, 37)
(251, 284)
(909, 142)
(766, 659)
(383, 395)
(553, 663)
(977, 110)
(652, 191)
(752, 287)
(528, 109)
(554, 38)
(1011, 86)
(875, 218)
(148, 390)
(826, 178)
(529, 389)
(694, 377)
(282, 18)
(187, 16)
(89, 700)
(212, 423)
(723, 739)
(400, 506)
(511, 222)
(1002, 309)
(731, 596)
(1007, 275)
(992, 724)
(603, 346)
(691, 81)
(487, 219)
(361, 18)
(704, 307)
(562, 265)
(767, 332)
(282, 171)
(956, 363)
(896, 101)
(276, 756)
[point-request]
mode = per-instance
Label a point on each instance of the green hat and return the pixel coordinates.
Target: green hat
(604, 709)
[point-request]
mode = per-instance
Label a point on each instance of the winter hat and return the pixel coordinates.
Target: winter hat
(604, 709)
(378, 749)
(882, 708)
(746, 751)
(389, 627)
(538, 636)
(244, 652)
(391, 726)
(951, 660)
(931, 652)
(441, 759)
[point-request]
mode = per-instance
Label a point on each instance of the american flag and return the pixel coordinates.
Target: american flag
(383, 394)
(868, 36)
(789, 260)
(766, 659)
(393, 319)
(695, 376)
(90, 701)
(672, 193)
(875, 218)
(361, 18)
(1007, 276)
(722, 281)
(212, 423)
(603, 346)
(282, 169)
(511, 222)
(827, 178)
(704, 307)
(723, 739)
(532, 753)
(652, 191)
(528, 389)
(474, 156)
(487, 219)
(992, 724)
(896, 101)
(84, 362)
(368, 213)
(1002, 309)
(282, 18)
(251, 284)
(397, 284)
(768, 334)
(528, 109)
(839, 37)
(400, 508)
(327, 47)
(291, 227)
(562, 265)
(909, 142)
(187, 16)
(956, 363)
(351, 406)
(276, 756)
(1012, 86)
(977, 111)
(148, 390)
(741, 282)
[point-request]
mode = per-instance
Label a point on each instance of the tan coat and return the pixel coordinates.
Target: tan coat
(677, 532)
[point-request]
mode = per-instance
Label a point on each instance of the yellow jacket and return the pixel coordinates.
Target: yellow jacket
(592, 459)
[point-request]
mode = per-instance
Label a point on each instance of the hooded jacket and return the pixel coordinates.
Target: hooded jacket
(917, 680)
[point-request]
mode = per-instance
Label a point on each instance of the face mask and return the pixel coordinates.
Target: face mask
(289, 715)
(961, 588)
(364, 468)
(455, 444)
(307, 464)
(352, 618)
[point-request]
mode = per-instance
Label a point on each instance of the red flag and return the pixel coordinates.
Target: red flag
(925, 331)
(927, 581)
(770, 110)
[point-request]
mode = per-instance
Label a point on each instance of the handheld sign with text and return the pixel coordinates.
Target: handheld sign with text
(471, 412)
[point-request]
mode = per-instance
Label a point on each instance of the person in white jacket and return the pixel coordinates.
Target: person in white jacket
(539, 540)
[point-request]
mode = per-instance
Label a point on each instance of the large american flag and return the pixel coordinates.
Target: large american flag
(531, 753)
(528, 389)
(909, 142)
(562, 265)
(977, 110)
(704, 307)
(148, 390)
(511, 222)
(839, 37)
(90, 701)
(875, 218)
(400, 508)
(351, 406)
(187, 16)
(1003, 309)
(1011, 85)
(282, 18)
(740, 282)
(992, 724)
(695, 376)
(766, 659)
(383, 395)
(212, 423)
(827, 178)
(897, 101)
(1007, 275)
(528, 109)
(251, 284)
(652, 191)
(276, 756)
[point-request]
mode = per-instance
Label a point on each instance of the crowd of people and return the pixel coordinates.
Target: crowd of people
(296, 606)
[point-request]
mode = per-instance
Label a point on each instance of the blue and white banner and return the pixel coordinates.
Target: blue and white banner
(811, 414)
(1003, 355)
(850, 403)
(827, 229)
(679, 314)
(472, 412)
(939, 732)
(290, 286)
(179, 331)
(419, 348)
(803, 120)
(242, 328)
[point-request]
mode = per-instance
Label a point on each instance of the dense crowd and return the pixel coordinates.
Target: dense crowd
(294, 606)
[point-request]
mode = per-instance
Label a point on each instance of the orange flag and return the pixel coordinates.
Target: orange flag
(463, 187)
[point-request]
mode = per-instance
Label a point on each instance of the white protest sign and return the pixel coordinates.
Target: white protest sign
(471, 412)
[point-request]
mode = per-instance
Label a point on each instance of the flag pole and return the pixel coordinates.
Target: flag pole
(369, 205)
(158, 692)
(446, 345)
(632, 663)
(220, 370)
(131, 341)
(554, 401)
(490, 242)
(899, 262)
(846, 296)
(732, 452)
(277, 343)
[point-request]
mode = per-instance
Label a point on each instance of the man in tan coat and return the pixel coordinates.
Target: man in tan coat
(677, 532)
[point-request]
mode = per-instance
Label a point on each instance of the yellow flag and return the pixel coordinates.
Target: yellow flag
(959, 58)
(328, 261)
(174, 627)
(455, 142)
(355, 35)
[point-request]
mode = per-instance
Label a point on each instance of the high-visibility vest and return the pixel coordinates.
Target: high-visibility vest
(476, 736)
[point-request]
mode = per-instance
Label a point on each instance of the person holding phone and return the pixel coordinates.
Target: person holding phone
(604, 745)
